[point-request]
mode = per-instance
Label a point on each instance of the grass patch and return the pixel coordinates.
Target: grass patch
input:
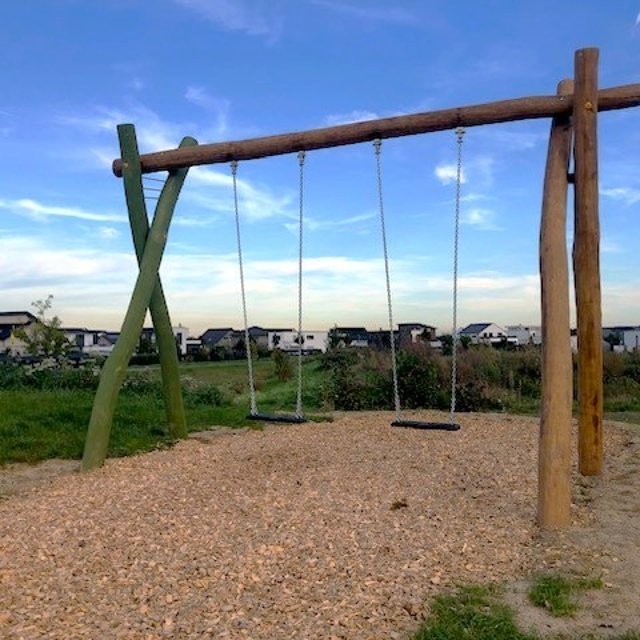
(480, 613)
(557, 593)
(472, 613)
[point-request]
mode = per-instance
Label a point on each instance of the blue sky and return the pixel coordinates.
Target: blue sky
(231, 69)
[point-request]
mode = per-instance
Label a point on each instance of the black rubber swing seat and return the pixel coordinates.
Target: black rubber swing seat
(277, 417)
(418, 424)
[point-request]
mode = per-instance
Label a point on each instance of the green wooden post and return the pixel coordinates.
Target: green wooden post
(134, 192)
(115, 368)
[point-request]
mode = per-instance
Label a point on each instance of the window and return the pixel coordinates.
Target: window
(310, 337)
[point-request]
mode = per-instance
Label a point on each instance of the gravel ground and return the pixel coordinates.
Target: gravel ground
(330, 530)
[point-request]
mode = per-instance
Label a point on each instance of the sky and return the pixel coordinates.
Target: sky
(221, 70)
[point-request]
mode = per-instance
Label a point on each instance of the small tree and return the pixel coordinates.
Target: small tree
(45, 337)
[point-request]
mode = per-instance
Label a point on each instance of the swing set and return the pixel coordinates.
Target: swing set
(573, 112)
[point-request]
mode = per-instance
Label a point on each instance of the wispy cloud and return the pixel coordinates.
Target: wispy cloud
(447, 173)
(218, 107)
(238, 15)
(314, 224)
(481, 218)
(393, 15)
(628, 195)
(254, 203)
(353, 116)
(109, 233)
(39, 211)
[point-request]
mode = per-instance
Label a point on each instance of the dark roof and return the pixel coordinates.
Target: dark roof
(257, 331)
(280, 330)
(213, 336)
(414, 325)
(78, 330)
(353, 333)
(4, 314)
(472, 329)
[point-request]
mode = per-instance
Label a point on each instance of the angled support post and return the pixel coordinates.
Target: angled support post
(554, 459)
(138, 219)
(114, 370)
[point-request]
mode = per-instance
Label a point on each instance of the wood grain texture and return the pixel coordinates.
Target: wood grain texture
(554, 460)
(586, 261)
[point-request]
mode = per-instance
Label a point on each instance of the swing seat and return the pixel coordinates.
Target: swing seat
(418, 424)
(277, 417)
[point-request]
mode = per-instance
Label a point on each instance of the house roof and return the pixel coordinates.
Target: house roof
(473, 329)
(354, 333)
(257, 331)
(414, 325)
(213, 336)
(30, 316)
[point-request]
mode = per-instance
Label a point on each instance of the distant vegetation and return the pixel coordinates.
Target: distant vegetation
(44, 410)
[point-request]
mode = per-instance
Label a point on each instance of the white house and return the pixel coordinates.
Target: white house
(486, 333)
(287, 340)
(10, 321)
(525, 334)
(631, 339)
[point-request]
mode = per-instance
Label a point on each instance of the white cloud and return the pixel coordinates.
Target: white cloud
(254, 203)
(628, 195)
(393, 15)
(480, 218)
(314, 224)
(40, 211)
(219, 107)
(637, 20)
(447, 173)
(238, 15)
(353, 116)
(108, 233)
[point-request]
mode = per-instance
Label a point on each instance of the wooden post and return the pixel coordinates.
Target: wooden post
(554, 460)
(136, 206)
(115, 368)
(586, 262)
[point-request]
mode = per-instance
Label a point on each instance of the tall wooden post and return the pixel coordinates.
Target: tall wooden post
(586, 262)
(554, 461)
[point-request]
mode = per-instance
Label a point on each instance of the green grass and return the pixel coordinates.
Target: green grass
(479, 613)
(557, 594)
(37, 424)
(471, 613)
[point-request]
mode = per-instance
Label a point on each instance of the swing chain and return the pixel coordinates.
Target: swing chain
(301, 159)
(377, 145)
(456, 240)
(247, 342)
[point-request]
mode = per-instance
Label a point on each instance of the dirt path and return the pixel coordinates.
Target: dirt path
(607, 544)
(335, 530)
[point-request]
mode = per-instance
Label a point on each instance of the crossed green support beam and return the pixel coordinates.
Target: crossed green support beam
(149, 245)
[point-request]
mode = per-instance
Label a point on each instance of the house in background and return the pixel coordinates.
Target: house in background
(525, 334)
(225, 338)
(415, 332)
(631, 339)
(349, 336)
(287, 340)
(259, 336)
(10, 321)
(486, 333)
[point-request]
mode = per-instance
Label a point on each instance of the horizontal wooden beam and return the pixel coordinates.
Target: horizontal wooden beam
(470, 116)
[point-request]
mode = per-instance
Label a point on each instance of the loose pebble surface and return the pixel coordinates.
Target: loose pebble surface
(328, 530)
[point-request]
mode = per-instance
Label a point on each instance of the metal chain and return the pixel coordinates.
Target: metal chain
(301, 158)
(377, 144)
(247, 342)
(456, 239)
